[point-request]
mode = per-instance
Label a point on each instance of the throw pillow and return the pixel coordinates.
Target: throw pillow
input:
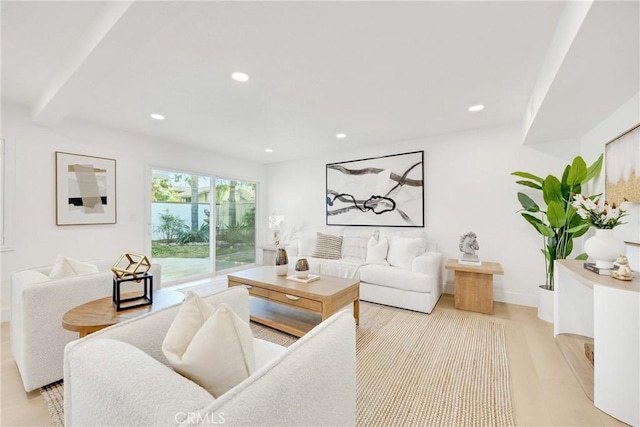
(403, 250)
(328, 247)
(307, 245)
(354, 242)
(67, 267)
(212, 346)
(377, 251)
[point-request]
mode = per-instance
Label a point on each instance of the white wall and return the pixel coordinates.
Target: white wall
(468, 187)
(592, 144)
(36, 237)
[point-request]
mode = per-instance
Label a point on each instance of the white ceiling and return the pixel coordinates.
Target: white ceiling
(381, 72)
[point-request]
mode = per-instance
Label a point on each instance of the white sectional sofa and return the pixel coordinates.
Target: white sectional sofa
(407, 275)
(37, 306)
(120, 376)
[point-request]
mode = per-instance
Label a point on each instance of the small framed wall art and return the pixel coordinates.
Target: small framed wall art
(622, 171)
(381, 191)
(85, 189)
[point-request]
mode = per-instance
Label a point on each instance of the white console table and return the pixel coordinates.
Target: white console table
(607, 310)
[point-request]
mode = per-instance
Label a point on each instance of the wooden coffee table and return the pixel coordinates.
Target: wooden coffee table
(295, 307)
(98, 314)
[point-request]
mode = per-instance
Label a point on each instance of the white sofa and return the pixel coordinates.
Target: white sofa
(119, 376)
(417, 285)
(37, 307)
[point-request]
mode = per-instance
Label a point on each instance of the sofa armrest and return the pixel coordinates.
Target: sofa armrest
(108, 382)
(38, 338)
(427, 263)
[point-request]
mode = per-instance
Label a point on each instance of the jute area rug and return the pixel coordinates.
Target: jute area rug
(414, 369)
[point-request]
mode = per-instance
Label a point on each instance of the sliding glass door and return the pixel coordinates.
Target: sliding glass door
(184, 206)
(235, 224)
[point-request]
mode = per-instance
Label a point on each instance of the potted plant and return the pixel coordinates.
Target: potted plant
(557, 220)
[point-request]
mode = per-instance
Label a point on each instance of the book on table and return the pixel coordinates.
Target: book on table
(591, 266)
(310, 278)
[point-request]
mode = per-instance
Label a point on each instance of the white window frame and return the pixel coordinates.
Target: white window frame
(7, 192)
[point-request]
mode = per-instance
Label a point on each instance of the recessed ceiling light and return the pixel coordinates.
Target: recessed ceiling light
(341, 135)
(240, 77)
(476, 108)
(157, 116)
(268, 150)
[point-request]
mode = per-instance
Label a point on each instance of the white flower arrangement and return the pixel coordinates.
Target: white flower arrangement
(600, 215)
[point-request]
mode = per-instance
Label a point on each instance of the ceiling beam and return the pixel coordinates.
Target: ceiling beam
(569, 23)
(120, 30)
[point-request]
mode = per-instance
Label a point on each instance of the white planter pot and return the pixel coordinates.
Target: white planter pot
(604, 248)
(545, 304)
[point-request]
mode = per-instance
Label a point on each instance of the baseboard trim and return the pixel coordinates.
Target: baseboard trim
(501, 296)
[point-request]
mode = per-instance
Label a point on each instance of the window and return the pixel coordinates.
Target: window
(184, 207)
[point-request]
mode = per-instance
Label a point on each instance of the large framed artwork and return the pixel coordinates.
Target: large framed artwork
(85, 189)
(380, 191)
(622, 180)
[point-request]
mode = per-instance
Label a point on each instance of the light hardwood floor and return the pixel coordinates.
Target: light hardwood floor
(544, 390)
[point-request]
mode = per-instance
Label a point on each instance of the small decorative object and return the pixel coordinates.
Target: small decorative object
(604, 248)
(275, 225)
(302, 268)
(468, 246)
(282, 262)
(137, 265)
(624, 271)
(136, 270)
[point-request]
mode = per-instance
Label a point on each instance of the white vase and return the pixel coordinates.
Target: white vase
(545, 304)
(604, 248)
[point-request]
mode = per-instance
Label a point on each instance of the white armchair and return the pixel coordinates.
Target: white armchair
(37, 307)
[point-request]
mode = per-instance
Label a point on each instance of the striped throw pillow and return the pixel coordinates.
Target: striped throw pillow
(328, 247)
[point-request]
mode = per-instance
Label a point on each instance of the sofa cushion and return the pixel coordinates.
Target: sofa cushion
(403, 250)
(354, 242)
(212, 346)
(377, 251)
(398, 278)
(347, 269)
(67, 267)
(390, 233)
(328, 246)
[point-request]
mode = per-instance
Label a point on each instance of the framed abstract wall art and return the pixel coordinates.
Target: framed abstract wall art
(85, 189)
(622, 180)
(380, 191)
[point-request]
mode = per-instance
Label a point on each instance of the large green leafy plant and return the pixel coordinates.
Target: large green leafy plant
(557, 220)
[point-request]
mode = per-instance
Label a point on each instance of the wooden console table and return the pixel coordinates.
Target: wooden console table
(600, 309)
(474, 285)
